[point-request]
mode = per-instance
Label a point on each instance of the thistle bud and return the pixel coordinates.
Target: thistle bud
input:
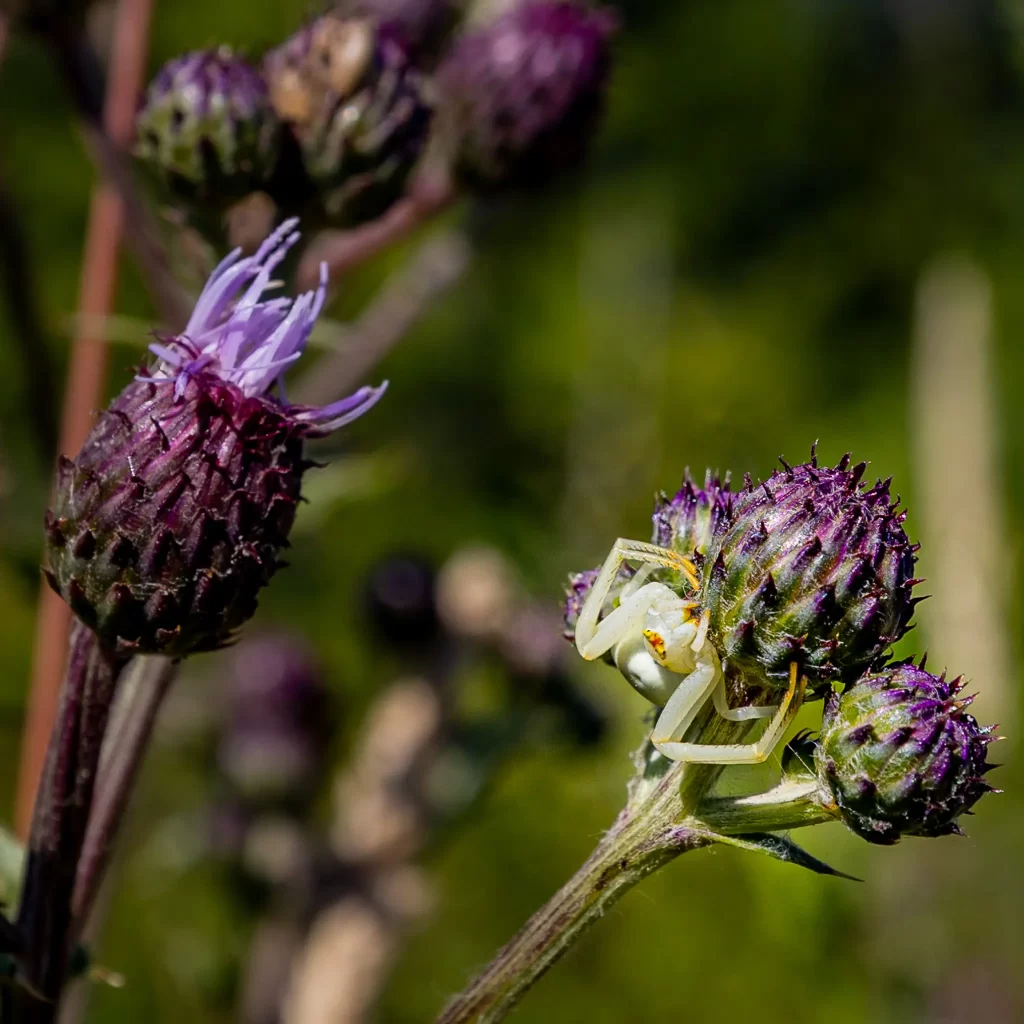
(901, 756)
(521, 97)
(169, 521)
(207, 129)
(808, 566)
(278, 722)
(356, 105)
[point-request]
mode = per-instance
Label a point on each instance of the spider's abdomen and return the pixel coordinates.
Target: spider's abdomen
(809, 566)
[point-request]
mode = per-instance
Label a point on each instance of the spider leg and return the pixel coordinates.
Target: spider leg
(587, 628)
(686, 701)
(745, 753)
(744, 714)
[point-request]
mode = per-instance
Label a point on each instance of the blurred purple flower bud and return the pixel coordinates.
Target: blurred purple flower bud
(355, 103)
(521, 97)
(400, 602)
(207, 129)
(278, 721)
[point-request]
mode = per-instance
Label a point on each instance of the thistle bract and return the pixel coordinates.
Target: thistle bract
(207, 128)
(520, 97)
(901, 756)
(169, 521)
(356, 106)
(808, 566)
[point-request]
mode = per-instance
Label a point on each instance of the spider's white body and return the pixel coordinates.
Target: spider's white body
(659, 642)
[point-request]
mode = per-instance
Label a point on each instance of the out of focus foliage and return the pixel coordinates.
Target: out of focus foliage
(733, 278)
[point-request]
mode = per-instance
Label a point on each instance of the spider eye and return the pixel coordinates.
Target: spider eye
(657, 642)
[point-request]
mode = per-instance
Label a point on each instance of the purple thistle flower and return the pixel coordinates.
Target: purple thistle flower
(249, 341)
(169, 521)
(901, 756)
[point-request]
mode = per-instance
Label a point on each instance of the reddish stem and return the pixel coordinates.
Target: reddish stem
(86, 375)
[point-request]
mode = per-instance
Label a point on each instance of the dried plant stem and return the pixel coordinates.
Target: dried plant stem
(86, 375)
(61, 817)
(434, 268)
(127, 741)
(342, 250)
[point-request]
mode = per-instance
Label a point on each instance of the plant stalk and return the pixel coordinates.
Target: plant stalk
(654, 828)
(61, 817)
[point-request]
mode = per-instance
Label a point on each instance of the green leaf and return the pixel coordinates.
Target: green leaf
(782, 849)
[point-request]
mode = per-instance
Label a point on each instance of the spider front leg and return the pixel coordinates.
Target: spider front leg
(740, 753)
(594, 638)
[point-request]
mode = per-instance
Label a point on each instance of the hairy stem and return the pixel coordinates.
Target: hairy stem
(61, 817)
(654, 828)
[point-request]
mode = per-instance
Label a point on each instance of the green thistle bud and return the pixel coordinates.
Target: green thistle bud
(901, 756)
(207, 128)
(356, 105)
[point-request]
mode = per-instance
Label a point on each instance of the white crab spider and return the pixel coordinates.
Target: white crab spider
(659, 642)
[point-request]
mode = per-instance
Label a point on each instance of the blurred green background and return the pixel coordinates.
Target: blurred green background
(802, 220)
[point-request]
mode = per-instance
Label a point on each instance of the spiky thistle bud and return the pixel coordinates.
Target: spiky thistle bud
(521, 97)
(278, 722)
(356, 104)
(901, 756)
(808, 566)
(207, 128)
(169, 521)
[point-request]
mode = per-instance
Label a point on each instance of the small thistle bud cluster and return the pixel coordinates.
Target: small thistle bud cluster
(813, 567)
(335, 120)
(170, 520)
(207, 127)
(521, 96)
(356, 103)
(901, 756)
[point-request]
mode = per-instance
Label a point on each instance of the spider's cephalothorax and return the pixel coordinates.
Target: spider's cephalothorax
(808, 575)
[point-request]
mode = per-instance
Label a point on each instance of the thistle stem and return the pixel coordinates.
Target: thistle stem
(654, 828)
(123, 753)
(61, 817)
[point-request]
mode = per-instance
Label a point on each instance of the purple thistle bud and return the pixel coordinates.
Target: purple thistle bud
(808, 566)
(901, 756)
(170, 519)
(521, 97)
(278, 721)
(207, 129)
(355, 104)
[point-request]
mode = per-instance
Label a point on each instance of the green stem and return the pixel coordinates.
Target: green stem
(654, 828)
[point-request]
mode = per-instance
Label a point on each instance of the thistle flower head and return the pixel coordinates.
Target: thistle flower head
(170, 519)
(901, 756)
(207, 129)
(522, 95)
(808, 566)
(355, 103)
